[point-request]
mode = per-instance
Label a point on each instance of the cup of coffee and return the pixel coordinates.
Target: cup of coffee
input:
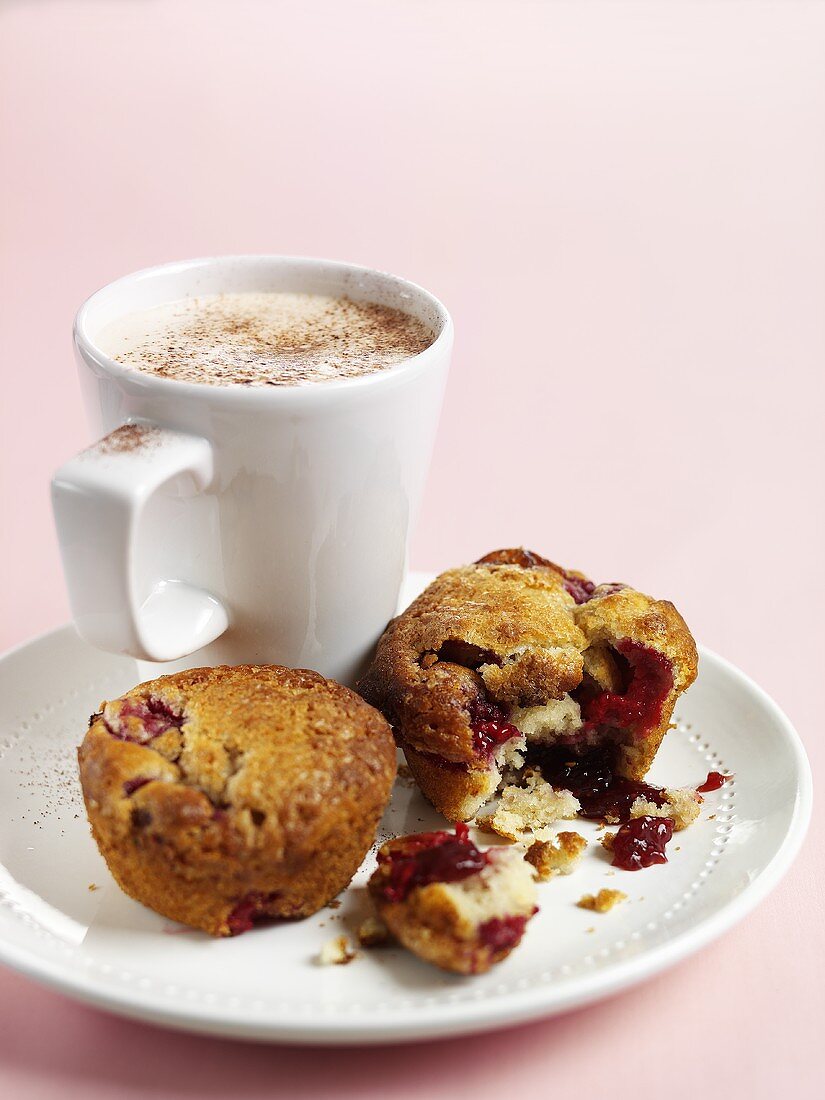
(265, 424)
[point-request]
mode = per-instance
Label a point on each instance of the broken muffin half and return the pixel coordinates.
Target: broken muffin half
(515, 661)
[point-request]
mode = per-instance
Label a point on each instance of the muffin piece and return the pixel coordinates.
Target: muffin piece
(529, 810)
(451, 903)
(681, 805)
(515, 659)
(218, 796)
(560, 855)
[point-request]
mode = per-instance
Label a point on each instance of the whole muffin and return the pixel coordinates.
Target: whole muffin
(501, 663)
(218, 796)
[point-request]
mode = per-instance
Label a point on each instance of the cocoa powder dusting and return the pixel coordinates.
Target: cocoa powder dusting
(129, 437)
(265, 339)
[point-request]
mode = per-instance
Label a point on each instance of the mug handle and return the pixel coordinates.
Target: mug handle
(98, 499)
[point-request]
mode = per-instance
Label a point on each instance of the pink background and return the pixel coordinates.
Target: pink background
(623, 205)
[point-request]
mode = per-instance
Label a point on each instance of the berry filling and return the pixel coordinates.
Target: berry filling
(490, 727)
(641, 843)
(714, 781)
(132, 785)
(616, 801)
(251, 908)
(609, 589)
(580, 588)
(591, 778)
(155, 717)
(502, 933)
(430, 857)
(639, 707)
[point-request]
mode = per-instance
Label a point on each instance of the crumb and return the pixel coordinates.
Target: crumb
(336, 903)
(681, 806)
(337, 952)
(405, 776)
(93, 886)
(373, 933)
(491, 824)
(607, 841)
(602, 902)
(527, 809)
(711, 817)
(590, 929)
(485, 823)
(559, 856)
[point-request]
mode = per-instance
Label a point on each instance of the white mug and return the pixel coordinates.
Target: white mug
(230, 524)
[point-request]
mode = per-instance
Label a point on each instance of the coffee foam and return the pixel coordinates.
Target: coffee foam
(268, 338)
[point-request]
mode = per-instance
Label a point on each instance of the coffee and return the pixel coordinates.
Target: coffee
(267, 338)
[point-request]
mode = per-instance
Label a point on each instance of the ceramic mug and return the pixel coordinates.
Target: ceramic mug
(235, 524)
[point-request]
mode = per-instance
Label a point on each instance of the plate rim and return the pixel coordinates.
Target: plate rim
(413, 1023)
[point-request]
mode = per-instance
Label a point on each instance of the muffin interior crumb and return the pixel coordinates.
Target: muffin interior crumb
(530, 808)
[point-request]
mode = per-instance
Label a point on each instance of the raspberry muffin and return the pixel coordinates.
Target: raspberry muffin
(451, 903)
(516, 660)
(219, 796)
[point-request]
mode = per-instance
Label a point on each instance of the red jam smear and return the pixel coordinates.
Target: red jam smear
(430, 857)
(641, 843)
(155, 718)
(502, 933)
(639, 707)
(251, 908)
(616, 801)
(591, 778)
(714, 781)
(490, 727)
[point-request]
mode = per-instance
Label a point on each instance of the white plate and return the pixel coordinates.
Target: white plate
(101, 947)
